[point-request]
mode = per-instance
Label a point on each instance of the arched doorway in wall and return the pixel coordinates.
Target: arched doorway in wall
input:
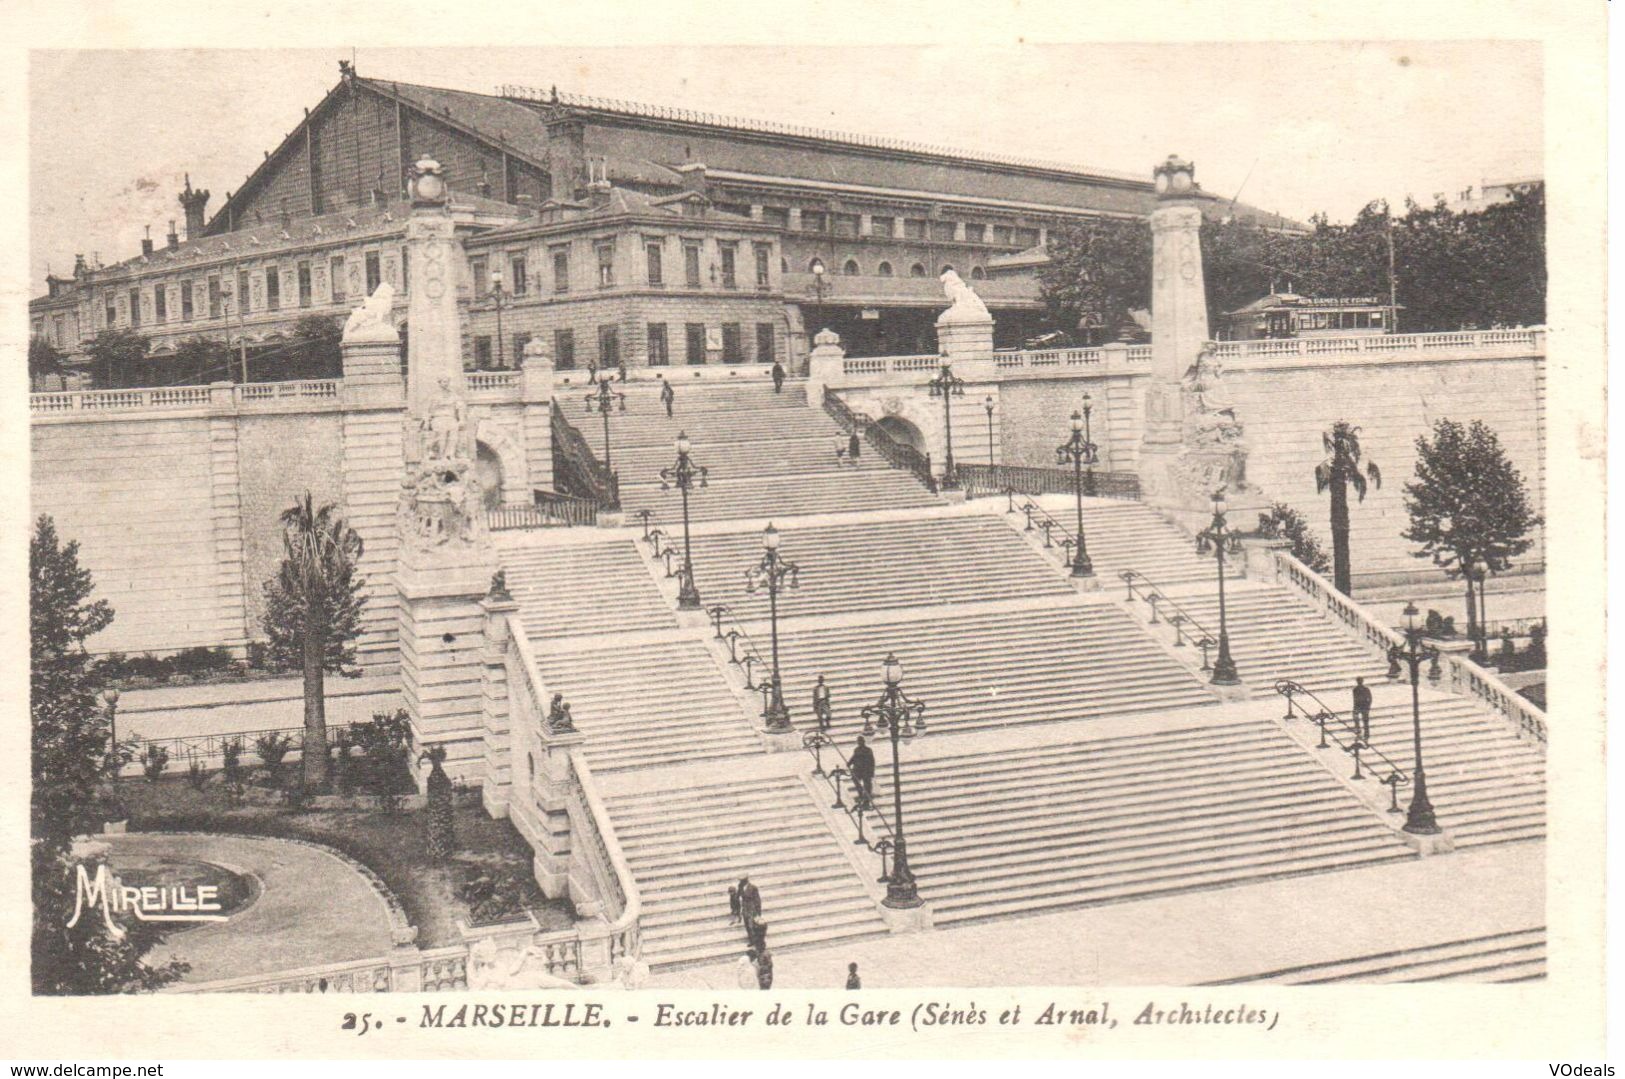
(903, 431)
(488, 470)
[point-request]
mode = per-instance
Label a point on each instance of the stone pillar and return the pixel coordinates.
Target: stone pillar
(536, 396)
(824, 366)
(496, 782)
(1259, 553)
(554, 794)
(435, 349)
(965, 340)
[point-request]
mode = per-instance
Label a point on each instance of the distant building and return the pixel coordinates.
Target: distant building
(1285, 314)
(1487, 194)
(622, 232)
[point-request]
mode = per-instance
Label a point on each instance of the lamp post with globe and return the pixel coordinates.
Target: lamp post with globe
(900, 717)
(684, 475)
(773, 573)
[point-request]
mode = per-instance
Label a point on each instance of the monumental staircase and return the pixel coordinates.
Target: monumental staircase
(1515, 956)
(1074, 757)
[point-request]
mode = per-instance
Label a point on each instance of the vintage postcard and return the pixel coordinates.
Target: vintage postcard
(855, 543)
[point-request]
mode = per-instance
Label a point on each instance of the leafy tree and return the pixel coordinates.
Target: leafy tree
(313, 613)
(1284, 522)
(1468, 504)
(1098, 270)
(44, 359)
(314, 350)
(118, 357)
(385, 745)
(1339, 472)
(70, 733)
(200, 360)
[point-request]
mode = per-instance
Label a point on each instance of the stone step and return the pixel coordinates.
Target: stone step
(1511, 956)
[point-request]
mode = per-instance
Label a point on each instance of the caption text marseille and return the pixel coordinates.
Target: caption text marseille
(923, 1016)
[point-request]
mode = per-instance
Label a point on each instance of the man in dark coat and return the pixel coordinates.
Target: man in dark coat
(1362, 711)
(853, 448)
(764, 969)
(667, 395)
(821, 710)
(733, 903)
(862, 764)
(750, 901)
(778, 377)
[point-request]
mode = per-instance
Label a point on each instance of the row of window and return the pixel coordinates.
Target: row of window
(220, 293)
(884, 269)
(699, 339)
(518, 282)
(913, 228)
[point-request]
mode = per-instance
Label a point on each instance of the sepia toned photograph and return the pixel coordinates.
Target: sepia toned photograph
(542, 520)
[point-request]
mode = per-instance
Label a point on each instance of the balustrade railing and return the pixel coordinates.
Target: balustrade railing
(165, 397)
(1347, 737)
(1498, 340)
(1466, 677)
(623, 904)
(982, 479)
(490, 381)
(577, 470)
(209, 750)
(895, 453)
(1185, 624)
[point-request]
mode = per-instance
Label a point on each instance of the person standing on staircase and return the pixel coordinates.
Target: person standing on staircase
(821, 709)
(852, 979)
(667, 395)
(745, 973)
(1362, 711)
(620, 370)
(750, 904)
(764, 969)
(778, 377)
(853, 447)
(592, 373)
(862, 767)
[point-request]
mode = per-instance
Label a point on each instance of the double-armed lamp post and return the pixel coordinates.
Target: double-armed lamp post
(683, 475)
(604, 401)
(1219, 539)
(947, 386)
(773, 573)
(1420, 819)
(901, 717)
(1080, 451)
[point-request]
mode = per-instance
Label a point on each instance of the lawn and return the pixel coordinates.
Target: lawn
(490, 854)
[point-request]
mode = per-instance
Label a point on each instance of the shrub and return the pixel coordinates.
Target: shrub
(495, 892)
(385, 742)
(147, 665)
(232, 767)
(154, 761)
(194, 774)
(272, 748)
(200, 660)
(1537, 645)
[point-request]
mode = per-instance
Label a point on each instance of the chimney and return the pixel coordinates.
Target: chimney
(172, 241)
(79, 267)
(194, 203)
(146, 241)
(693, 176)
(598, 185)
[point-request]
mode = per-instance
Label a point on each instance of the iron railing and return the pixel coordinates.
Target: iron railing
(1046, 524)
(210, 749)
(1353, 745)
(577, 471)
(818, 743)
(742, 649)
(893, 452)
(551, 509)
(981, 479)
(1184, 623)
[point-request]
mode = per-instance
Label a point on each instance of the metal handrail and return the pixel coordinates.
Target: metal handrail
(184, 749)
(1291, 690)
(980, 478)
(1155, 596)
(736, 633)
(1048, 524)
(577, 466)
(815, 742)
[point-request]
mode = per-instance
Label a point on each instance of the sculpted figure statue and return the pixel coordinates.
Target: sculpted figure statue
(490, 967)
(967, 306)
(373, 312)
(442, 428)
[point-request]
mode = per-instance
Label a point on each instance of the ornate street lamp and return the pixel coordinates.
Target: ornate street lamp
(603, 401)
(496, 291)
(900, 716)
(773, 573)
(1089, 476)
(987, 406)
(1419, 820)
(110, 699)
(1218, 540)
(947, 386)
(1079, 450)
(683, 476)
(818, 286)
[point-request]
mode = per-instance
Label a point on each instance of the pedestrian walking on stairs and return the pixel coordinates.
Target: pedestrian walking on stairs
(778, 377)
(667, 395)
(862, 767)
(733, 903)
(821, 709)
(764, 969)
(1362, 711)
(853, 448)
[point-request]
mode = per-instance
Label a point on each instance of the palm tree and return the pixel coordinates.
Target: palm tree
(1339, 472)
(313, 613)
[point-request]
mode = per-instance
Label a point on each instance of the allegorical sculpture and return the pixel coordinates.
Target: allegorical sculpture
(371, 319)
(1213, 452)
(524, 967)
(441, 499)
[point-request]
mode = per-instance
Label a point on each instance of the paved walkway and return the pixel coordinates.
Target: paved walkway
(1193, 938)
(313, 907)
(229, 707)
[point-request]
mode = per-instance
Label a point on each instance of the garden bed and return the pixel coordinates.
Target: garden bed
(490, 873)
